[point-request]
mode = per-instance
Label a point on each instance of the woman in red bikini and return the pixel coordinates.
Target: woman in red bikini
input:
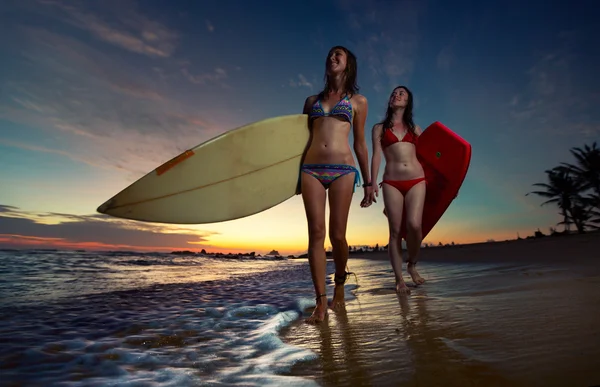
(403, 184)
(328, 165)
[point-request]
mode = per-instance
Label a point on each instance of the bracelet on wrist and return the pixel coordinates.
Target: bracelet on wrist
(369, 184)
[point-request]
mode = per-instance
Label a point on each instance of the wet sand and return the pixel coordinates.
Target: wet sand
(519, 313)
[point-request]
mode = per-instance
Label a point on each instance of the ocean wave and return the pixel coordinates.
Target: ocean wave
(217, 332)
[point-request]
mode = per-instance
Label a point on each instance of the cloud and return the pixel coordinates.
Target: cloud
(77, 94)
(7, 209)
(129, 29)
(73, 156)
(213, 76)
(83, 66)
(137, 91)
(26, 228)
(591, 130)
(209, 26)
(95, 107)
(556, 100)
(387, 47)
(300, 81)
(446, 57)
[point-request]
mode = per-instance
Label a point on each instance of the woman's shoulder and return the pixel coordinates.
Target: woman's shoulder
(377, 127)
(359, 98)
(309, 101)
(312, 98)
(359, 102)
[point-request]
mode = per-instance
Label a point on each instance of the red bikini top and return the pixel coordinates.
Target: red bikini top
(390, 138)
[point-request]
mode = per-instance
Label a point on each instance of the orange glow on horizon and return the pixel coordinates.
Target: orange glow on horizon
(282, 229)
(259, 247)
(29, 242)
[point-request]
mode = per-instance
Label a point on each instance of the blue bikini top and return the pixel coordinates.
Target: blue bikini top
(341, 109)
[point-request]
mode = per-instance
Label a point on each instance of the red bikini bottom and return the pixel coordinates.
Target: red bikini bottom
(403, 185)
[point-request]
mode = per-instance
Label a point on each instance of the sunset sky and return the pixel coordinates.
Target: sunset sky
(96, 94)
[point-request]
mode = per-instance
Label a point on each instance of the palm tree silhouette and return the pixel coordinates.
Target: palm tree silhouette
(587, 168)
(567, 185)
(561, 189)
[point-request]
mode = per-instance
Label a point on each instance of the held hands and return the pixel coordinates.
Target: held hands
(374, 193)
(370, 193)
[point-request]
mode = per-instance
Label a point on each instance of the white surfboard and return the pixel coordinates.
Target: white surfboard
(239, 173)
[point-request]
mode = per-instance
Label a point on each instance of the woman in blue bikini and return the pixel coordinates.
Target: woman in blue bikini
(328, 164)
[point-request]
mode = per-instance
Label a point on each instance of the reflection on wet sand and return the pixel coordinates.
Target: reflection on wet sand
(506, 314)
(340, 359)
(434, 358)
(339, 351)
(390, 340)
(383, 338)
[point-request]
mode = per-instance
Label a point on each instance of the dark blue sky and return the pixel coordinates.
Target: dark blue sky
(96, 94)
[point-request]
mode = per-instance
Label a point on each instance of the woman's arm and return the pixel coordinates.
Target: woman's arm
(376, 158)
(418, 130)
(360, 144)
(305, 110)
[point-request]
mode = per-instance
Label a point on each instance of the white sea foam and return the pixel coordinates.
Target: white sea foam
(213, 332)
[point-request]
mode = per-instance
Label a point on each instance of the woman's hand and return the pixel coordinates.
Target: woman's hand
(369, 197)
(375, 193)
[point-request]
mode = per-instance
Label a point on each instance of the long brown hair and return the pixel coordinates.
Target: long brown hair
(407, 117)
(350, 73)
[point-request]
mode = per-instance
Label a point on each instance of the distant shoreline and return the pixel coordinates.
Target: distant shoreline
(563, 248)
(559, 246)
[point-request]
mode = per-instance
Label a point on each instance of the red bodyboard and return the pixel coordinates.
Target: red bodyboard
(445, 157)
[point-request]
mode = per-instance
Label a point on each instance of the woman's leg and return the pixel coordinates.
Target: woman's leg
(340, 198)
(415, 200)
(394, 203)
(313, 196)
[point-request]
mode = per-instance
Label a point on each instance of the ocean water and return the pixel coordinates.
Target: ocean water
(130, 319)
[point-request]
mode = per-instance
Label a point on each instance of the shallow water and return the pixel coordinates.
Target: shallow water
(103, 319)
(156, 319)
(470, 324)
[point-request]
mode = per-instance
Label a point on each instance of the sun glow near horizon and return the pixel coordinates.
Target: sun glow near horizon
(236, 237)
(282, 228)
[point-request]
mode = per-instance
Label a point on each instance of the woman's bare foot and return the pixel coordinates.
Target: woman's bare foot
(338, 301)
(412, 270)
(401, 287)
(320, 312)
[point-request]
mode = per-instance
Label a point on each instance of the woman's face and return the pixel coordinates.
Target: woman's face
(336, 62)
(399, 98)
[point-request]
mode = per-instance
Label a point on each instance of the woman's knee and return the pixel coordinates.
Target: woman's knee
(394, 233)
(413, 226)
(316, 234)
(337, 237)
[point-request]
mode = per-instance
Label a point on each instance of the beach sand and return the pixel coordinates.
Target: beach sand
(517, 313)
